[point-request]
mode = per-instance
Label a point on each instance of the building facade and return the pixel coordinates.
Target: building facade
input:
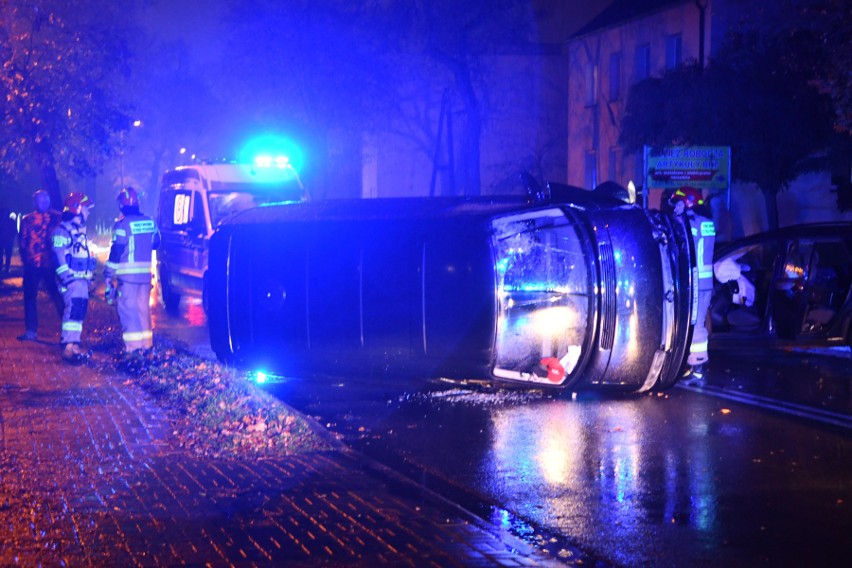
(632, 40)
(627, 43)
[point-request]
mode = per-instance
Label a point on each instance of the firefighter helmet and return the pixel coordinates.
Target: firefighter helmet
(128, 197)
(689, 196)
(76, 201)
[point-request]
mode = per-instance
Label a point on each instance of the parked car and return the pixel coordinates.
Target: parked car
(566, 288)
(795, 288)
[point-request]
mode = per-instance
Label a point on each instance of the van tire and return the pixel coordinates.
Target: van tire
(171, 299)
(205, 301)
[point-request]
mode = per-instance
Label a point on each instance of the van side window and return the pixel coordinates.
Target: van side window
(181, 209)
(170, 202)
(180, 212)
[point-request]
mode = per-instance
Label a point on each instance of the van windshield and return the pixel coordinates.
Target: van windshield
(224, 204)
(544, 296)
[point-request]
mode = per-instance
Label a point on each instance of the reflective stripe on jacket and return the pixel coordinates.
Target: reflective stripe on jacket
(704, 233)
(134, 238)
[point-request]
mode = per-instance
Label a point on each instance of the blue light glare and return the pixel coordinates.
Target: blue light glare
(501, 265)
(266, 161)
(272, 151)
(261, 377)
(537, 287)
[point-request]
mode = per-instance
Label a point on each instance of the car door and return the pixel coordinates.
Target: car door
(826, 288)
(734, 312)
(794, 272)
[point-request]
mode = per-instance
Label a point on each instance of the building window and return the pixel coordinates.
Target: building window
(590, 174)
(614, 76)
(643, 62)
(674, 51)
(591, 84)
(614, 164)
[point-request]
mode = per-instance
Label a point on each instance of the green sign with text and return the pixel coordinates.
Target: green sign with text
(703, 167)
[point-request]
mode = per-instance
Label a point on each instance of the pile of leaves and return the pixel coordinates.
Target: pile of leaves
(215, 410)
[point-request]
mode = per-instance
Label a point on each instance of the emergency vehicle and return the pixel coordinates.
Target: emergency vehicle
(195, 200)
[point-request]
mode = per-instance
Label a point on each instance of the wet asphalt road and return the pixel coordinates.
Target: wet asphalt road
(680, 479)
(694, 477)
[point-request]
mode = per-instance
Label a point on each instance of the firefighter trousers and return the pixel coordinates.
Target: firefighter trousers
(698, 347)
(134, 313)
(75, 296)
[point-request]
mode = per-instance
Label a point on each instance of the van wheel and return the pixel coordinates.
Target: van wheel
(171, 299)
(205, 301)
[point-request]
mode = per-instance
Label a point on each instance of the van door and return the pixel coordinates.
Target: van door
(183, 252)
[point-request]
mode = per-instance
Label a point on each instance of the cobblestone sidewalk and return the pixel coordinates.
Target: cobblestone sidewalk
(91, 475)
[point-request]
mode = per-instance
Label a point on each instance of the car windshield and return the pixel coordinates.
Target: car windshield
(543, 287)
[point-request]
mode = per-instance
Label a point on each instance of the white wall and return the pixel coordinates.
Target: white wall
(809, 200)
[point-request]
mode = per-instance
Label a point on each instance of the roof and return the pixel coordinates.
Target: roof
(820, 230)
(232, 177)
(620, 11)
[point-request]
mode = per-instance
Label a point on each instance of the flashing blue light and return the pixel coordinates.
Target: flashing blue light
(261, 377)
(266, 161)
(272, 151)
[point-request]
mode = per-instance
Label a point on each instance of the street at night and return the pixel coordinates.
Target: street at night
(750, 469)
(427, 284)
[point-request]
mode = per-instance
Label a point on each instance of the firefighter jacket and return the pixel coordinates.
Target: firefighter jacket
(35, 238)
(704, 234)
(74, 260)
(134, 238)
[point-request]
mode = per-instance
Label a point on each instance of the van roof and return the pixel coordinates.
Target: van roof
(221, 176)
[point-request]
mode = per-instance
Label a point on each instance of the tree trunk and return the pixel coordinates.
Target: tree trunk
(771, 200)
(47, 171)
(471, 153)
(472, 132)
(153, 188)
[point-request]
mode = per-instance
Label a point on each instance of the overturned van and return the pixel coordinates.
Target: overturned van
(566, 289)
(194, 200)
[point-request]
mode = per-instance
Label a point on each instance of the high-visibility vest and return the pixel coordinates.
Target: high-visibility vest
(134, 238)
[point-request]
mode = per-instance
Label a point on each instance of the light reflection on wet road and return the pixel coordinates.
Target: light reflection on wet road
(678, 479)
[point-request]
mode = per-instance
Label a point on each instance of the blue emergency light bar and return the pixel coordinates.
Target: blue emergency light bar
(272, 151)
(265, 161)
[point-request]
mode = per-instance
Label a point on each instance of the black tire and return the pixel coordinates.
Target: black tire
(205, 301)
(171, 299)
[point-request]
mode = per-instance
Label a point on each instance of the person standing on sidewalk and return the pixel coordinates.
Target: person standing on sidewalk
(34, 244)
(134, 238)
(75, 267)
(8, 231)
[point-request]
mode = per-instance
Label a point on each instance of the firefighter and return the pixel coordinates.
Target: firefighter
(689, 202)
(134, 238)
(75, 266)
